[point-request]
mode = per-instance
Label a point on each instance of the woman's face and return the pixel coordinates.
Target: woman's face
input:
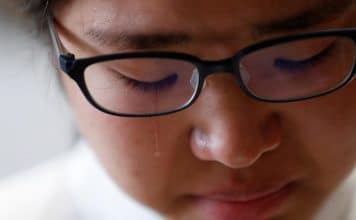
(227, 155)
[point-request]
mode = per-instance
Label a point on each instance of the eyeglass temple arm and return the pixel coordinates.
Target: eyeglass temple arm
(54, 37)
(65, 59)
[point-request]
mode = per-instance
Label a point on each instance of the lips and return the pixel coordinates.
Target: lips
(245, 204)
(233, 195)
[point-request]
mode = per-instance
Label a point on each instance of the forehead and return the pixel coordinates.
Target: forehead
(112, 25)
(190, 13)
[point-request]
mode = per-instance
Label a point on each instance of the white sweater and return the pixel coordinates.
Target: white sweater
(76, 187)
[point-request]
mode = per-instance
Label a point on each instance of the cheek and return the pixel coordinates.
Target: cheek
(137, 153)
(327, 127)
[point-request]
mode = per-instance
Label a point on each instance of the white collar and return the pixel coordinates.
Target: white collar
(97, 197)
(341, 203)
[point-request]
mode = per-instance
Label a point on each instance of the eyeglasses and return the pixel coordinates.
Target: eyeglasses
(142, 84)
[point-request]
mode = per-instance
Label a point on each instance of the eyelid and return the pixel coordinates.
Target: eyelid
(147, 82)
(323, 52)
(129, 77)
(161, 84)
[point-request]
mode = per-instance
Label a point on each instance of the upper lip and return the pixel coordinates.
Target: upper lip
(241, 195)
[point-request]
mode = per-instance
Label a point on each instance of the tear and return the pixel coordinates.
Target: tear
(157, 152)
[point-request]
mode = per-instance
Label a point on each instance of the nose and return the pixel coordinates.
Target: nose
(232, 129)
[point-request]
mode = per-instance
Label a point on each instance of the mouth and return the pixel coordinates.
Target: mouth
(242, 205)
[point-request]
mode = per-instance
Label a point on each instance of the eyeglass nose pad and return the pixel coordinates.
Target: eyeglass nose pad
(245, 75)
(194, 79)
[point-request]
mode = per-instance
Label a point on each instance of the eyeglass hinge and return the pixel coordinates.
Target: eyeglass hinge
(66, 62)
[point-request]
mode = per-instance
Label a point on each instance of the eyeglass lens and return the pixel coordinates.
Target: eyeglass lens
(142, 85)
(298, 69)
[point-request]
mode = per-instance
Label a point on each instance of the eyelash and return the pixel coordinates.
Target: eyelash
(150, 86)
(292, 66)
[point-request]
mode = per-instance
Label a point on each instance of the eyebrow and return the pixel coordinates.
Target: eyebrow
(323, 12)
(138, 40)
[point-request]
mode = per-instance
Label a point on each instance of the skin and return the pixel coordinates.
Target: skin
(225, 138)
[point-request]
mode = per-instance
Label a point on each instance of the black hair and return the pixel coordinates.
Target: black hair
(38, 9)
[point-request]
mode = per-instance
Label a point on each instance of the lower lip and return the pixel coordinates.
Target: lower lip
(258, 209)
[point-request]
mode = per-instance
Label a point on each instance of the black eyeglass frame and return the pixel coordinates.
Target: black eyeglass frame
(75, 68)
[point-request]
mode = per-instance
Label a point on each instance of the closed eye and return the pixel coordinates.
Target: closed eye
(145, 86)
(299, 65)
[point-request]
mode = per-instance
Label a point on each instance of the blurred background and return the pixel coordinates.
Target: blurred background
(35, 122)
